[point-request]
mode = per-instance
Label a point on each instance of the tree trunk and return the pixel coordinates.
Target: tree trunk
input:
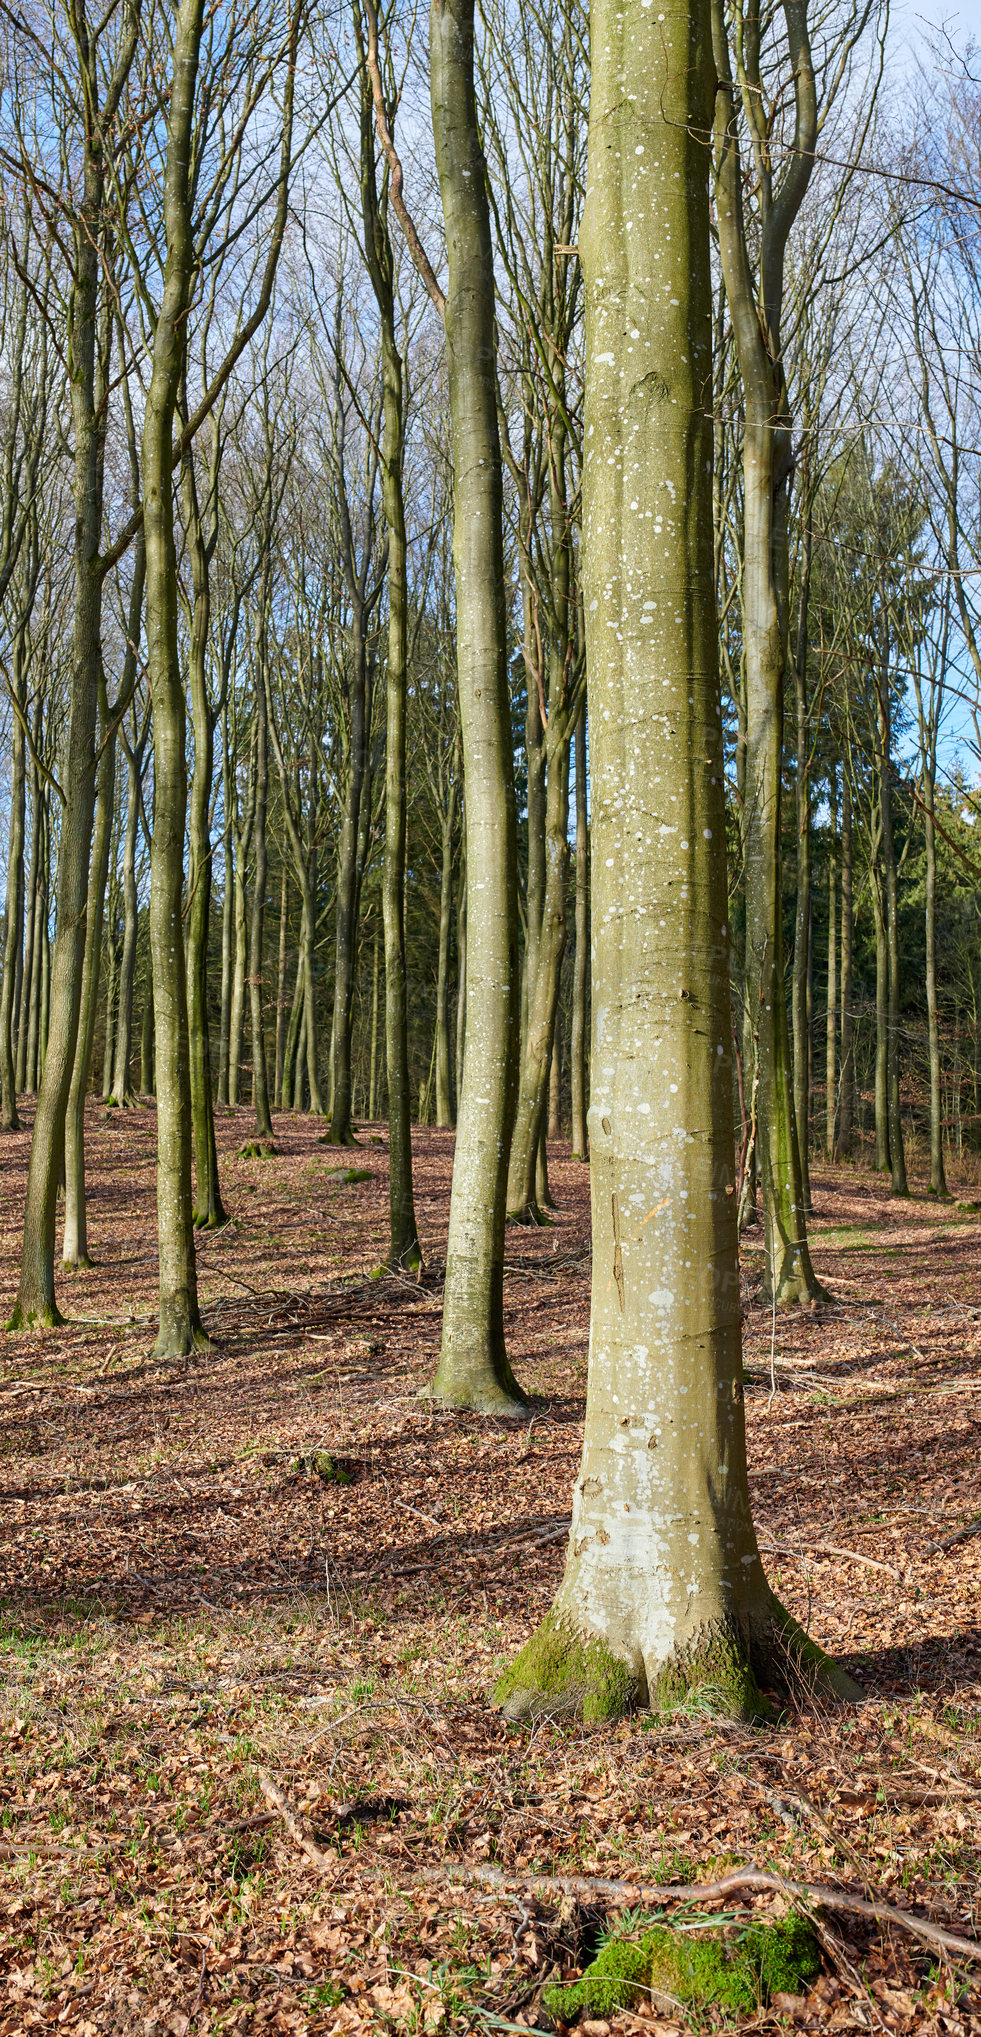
(281, 993)
(897, 1155)
(473, 1368)
(36, 1293)
(938, 1178)
(663, 1586)
(803, 929)
(147, 1077)
(846, 1113)
(260, 1082)
(444, 1090)
(580, 965)
(122, 1087)
(30, 922)
(461, 964)
(209, 1211)
(403, 1243)
(539, 1032)
(831, 1028)
(75, 1248)
(14, 930)
(180, 1328)
(882, 1159)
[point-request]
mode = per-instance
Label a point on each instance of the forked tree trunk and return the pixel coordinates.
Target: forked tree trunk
(580, 964)
(473, 1368)
(663, 1585)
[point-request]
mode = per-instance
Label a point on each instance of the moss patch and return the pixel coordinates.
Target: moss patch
(559, 1670)
(713, 1676)
(697, 1970)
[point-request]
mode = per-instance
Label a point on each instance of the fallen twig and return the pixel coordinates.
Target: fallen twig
(830, 1549)
(972, 1527)
(710, 1891)
(275, 1798)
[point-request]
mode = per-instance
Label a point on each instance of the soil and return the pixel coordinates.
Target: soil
(277, 1572)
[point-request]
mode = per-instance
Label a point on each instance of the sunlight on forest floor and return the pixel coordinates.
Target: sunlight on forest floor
(280, 1559)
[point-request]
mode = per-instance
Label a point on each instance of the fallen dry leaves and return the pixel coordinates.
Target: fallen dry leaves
(193, 1606)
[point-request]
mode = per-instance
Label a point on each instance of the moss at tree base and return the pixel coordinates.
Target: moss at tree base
(560, 1671)
(697, 1970)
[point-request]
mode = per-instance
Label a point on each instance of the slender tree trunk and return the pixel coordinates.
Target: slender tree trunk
(580, 967)
(108, 915)
(897, 1155)
(938, 1178)
(260, 1083)
(122, 1087)
(373, 1063)
(36, 1294)
(803, 928)
(831, 1029)
(30, 921)
(180, 1328)
(444, 1090)
(403, 1245)
(663, 1586)
(237, 1005)
(227, 921)
(209, 1211)
(473, 1368)
(882, 1155)
(346, 911)
(281, 993)
(539, 1034)
(75, 1249)
(15, 904)
(461, 965)
(846, 1114)
(555, 1085)
(147, 1077)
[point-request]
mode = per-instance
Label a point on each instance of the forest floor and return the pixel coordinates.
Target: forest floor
(194, 1611)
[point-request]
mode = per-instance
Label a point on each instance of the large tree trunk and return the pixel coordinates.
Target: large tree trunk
(580, 963)
(473, 1368)
(663, 1585)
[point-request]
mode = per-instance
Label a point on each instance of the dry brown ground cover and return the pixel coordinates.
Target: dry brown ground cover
(190, 1600)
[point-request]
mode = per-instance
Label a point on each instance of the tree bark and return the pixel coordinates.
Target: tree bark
(209, 1211)
(663, 1586)
(846, 1113)
(180, 1330)
(14, 929)
(473, 1368)
(831, 1026)
(75, 1247)
(580, 966)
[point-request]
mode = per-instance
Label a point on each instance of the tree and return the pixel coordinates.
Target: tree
(663, 1586)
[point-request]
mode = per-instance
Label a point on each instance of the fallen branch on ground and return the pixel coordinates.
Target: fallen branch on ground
(972, 1527)
(277, 1802)
(749, 1877)
(829, 1549)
